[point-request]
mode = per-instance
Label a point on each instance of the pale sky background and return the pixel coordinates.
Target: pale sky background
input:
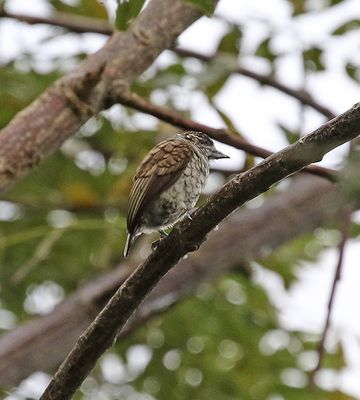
(303, 307)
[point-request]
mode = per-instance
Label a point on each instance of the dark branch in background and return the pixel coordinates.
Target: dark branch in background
(187, 236)
(220, 134)
(308, 203)
(301, 95)
(39, 130)
(82, 24)
(74, 23)
(346, 222)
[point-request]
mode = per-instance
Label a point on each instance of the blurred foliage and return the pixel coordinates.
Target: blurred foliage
(313, 59)
(264, 50)
(89, 8)
(231, 42)
(348, 26)
(350, 179)
(126, 12)
(18, 88)
(225, 342)
(353, 72)
(207, 7)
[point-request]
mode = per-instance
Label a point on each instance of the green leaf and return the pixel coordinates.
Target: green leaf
(90, 8)
(353, 72)
(126, 12)
(205, 6)
(213, 78)
(350, 181)
(348, 26)
(285, 259)
(291, 136)
(230, 43)
(171, 75)
(265, 51)
(313, 59)
(355, 230)
(298, 7)
(226, 119)
(215, 87)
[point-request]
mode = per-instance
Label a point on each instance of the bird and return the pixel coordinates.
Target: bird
(168, 183)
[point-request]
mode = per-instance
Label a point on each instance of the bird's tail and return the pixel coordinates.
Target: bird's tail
(129, 240)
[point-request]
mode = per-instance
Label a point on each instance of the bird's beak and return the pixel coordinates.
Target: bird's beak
(216, 154)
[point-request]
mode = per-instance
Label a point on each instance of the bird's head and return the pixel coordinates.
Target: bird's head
(204, 143)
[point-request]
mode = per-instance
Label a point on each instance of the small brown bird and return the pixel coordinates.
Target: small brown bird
(168, 183)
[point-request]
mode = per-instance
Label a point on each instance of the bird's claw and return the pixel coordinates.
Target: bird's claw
(163, 234)
(188, 213)
(155, 244)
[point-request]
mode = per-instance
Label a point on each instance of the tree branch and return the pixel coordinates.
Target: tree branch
(220, 134)
(82, 24)
(346, 222)
(74, 23)
(309, 203)
(301, 95)
(44, 125)
(188, 236)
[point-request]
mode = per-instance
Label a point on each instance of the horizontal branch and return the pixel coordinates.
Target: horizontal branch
(83, 24)
(74, 23)
(220, 134)
(187, 236)
(309, 203)
(39, 130)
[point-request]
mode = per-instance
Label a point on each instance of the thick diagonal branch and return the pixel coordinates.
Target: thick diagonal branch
(59, 112)
(187, 236)
(308, 204)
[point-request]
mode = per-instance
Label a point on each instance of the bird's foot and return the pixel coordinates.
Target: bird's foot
(75, 102)
(188, 213)
(163, 234)
(155, 244)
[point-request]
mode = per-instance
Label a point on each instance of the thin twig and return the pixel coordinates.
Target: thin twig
(346, 221)
(301, 95)
(74, 23)
(41, 252)
(222, 135)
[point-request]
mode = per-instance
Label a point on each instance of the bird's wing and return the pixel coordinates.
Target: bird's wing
(160, 169)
